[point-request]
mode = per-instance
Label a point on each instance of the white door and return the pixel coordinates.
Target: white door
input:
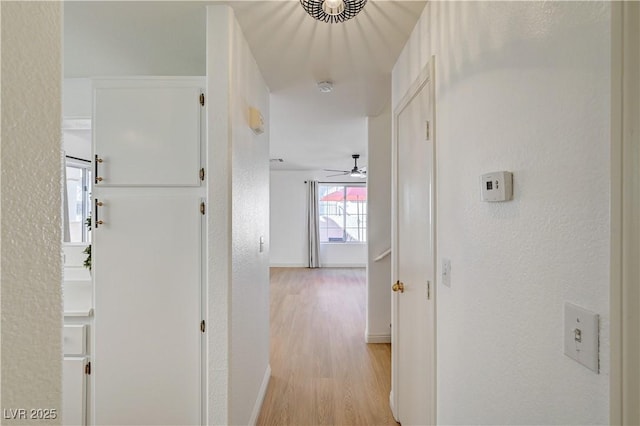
(413, 338)
(146, 267)
(146, 134)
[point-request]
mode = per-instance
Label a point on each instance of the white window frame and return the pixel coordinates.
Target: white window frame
(362, 228)
(86, 167)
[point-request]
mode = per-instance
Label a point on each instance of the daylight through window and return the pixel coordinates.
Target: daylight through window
(79, 198)
(342, 213)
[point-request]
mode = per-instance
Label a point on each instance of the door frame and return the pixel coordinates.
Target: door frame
(426, 76)
(625, 206)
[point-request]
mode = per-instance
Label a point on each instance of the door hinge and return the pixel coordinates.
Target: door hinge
(202, 99)
(87, 368)
(428, 130)
(202, 174)
(203, 209)
(428, 290)
(202, 326)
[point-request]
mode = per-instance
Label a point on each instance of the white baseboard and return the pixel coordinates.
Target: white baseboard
(393, 407)
(377, 338)
(261, 394)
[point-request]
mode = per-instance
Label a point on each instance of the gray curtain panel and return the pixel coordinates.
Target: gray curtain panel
(313, 229)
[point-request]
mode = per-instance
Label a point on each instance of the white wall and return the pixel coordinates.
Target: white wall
(238, 187)
(134, 38)
(31, 225)
(77, 100)
(525, 87)
(379, 228)
(77, 104)
(77, 143)
(289, 223)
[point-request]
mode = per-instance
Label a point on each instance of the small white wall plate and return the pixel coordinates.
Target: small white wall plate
(496, 186)
(581, 336)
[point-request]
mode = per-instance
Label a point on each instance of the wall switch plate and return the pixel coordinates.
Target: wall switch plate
(582, 336)
(446, 272)
(496, 186)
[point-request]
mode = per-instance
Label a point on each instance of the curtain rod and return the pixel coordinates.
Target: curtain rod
(79, 159)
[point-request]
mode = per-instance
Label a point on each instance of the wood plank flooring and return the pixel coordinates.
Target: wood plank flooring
(323, 373)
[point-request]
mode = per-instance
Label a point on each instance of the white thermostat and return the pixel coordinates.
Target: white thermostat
(496, 186)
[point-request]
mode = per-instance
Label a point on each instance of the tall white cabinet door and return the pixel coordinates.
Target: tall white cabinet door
(74, 390)
(146, 135)
(147, 272)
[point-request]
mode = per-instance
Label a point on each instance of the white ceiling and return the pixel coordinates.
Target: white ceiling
(309, 129)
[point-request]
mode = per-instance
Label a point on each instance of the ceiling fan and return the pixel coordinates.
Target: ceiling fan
(355, 172)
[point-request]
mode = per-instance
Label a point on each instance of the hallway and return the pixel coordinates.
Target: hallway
(322, 370)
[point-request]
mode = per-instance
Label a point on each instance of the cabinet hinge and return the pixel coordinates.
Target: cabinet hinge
(87, 368)
(202, 326)
(203, 209)
(428, 290)
(202, 174)
(428, 131)
(202, 99)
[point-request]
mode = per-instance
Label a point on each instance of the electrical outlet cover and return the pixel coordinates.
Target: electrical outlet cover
(581, 336)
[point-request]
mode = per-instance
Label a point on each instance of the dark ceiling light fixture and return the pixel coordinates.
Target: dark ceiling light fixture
(333, 11)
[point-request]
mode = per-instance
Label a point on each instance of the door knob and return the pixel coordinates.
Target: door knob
(398, 286)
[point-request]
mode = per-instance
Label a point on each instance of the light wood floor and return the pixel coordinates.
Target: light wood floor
(322, 370)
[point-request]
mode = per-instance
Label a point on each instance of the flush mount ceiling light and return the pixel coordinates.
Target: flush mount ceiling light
(325, 86)
(333, 10)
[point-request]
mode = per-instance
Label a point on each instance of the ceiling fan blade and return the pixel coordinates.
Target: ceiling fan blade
(340, 174)
(332, 170)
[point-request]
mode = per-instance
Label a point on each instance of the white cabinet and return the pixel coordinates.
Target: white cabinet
(147, 253)
(74, 391)
(74, 375)
(147, 132)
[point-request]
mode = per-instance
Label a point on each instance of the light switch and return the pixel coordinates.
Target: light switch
(446, 272)
(581, 336)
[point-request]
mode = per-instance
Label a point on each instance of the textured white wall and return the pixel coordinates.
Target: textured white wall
(31, 259)
(379, 227)
(238, 165)
(250, 210)
(289, 223)
(525, 87)
(219, 214)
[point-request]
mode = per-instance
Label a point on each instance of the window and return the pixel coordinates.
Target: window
(343, 213)
(78, 198)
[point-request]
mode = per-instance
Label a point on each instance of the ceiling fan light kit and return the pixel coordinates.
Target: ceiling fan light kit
(355, 172)
(333, 11)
